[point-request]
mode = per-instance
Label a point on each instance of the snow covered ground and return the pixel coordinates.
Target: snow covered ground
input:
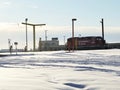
(61, 70)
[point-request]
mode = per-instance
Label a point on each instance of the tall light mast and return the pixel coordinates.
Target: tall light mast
(102, 22)
(26, 47)
(46, 35)
(34, 40)
(73, 42)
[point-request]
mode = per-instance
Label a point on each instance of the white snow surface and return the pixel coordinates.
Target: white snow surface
(61, 70)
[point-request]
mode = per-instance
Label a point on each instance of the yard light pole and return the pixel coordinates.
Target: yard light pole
(26, 47)
(45, 40)
(26, 35)
(64, 40)
(73, 43)
(46, 35)
(102, 22)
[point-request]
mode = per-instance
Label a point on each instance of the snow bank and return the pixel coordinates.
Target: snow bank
(60, 70)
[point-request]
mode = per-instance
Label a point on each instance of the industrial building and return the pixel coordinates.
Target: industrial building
(49, 45)
(113, 45)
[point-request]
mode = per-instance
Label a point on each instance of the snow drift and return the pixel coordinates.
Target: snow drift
(61, 70)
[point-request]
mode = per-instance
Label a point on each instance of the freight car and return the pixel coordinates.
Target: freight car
(85, 43)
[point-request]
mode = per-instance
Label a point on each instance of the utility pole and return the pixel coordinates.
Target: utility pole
(45, 45)
(26, 47)
(10, 46)
(40, 45)
(64, 40)
(34, 32)
(73, 43)
(102, 22)
(46, 35)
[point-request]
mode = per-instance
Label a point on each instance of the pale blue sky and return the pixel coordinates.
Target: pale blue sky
(57, 14)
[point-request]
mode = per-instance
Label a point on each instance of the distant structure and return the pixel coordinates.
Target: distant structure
(49, 45)
(113, 45)
(89, 42)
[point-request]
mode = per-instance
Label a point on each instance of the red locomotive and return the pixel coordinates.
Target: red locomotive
(90, 42)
